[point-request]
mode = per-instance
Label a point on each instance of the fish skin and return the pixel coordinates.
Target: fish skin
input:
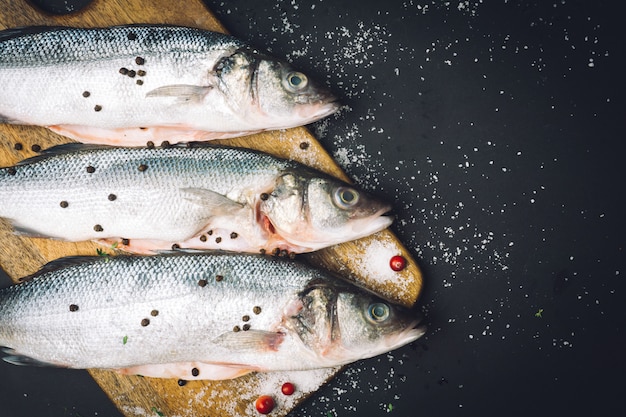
(127, 85)
(163, 315)
(145, 200)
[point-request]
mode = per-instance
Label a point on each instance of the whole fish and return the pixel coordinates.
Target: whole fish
(190, 196)
(128, 85)
(195, 316)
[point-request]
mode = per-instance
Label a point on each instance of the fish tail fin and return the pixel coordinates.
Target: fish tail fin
(7, 120)
(16, 358)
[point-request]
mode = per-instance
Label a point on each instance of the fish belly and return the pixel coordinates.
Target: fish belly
(83, 214)
(96, 94)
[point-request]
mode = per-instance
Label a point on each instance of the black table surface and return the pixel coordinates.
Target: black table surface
(497, 129)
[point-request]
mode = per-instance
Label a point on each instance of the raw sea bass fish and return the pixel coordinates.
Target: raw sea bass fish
(195, 316)
(128, 85)
(191, 196)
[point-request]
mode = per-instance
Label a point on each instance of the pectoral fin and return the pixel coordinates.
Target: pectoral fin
(182, 92)
(216, 203)
(250, 341)
(187, 371)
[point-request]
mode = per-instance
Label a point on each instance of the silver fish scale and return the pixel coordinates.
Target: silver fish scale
(114, 312)
(42, 46)
(219, 167)
(65, 194)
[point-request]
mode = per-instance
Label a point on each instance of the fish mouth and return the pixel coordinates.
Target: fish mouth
(412, 332)
(317, 102)
(372, 223)
(375, 225)
(317, 109)
(329, 106)
(357, 229)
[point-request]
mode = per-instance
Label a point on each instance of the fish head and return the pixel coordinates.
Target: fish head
(312, 212)
(371, 326)
(289, 94)
(271, 94)
(339, 324)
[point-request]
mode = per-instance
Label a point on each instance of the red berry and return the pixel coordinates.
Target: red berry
(264, 404)
(397, 263)
(288, 388)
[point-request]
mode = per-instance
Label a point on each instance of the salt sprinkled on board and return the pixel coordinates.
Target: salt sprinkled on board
(305, 382)
(377, 256)
(136, 411)
(248, 389)
(142, 412)
(375, 266)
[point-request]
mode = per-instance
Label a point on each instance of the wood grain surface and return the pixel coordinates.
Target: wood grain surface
(134, 395)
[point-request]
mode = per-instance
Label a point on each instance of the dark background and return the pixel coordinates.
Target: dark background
(497, 129)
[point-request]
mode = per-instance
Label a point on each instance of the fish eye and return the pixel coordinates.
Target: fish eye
(296, 81)
(378, 312)
(346, 197)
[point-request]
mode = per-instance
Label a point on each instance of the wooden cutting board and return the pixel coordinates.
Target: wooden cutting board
(365, 261)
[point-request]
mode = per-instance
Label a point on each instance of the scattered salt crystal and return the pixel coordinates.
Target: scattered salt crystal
(376, 266)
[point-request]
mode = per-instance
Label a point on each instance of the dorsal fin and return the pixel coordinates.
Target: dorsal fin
(60, 150)
(18, 32)
(61, 263)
